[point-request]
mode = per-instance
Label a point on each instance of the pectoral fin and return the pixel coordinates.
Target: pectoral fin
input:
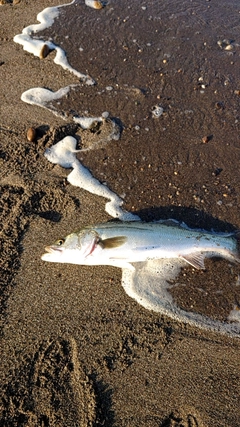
(195, 259)
(113, 242)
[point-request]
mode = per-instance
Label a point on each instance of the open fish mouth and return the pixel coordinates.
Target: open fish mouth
(53, 249)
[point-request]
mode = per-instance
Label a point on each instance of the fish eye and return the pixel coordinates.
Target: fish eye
(60, 242)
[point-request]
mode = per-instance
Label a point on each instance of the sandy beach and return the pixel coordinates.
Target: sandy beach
(76, 350)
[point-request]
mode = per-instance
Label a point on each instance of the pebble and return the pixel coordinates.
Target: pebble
(95, 4)
(44, 51)
(31, 134)
(229, 47)
(205, 139)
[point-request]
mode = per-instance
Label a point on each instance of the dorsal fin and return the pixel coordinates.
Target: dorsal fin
(113, 242)
(196, 260)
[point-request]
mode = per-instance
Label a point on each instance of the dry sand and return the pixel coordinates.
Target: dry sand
(76, 350)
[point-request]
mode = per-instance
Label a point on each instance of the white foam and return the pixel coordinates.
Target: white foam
(43, 97)
(34, 45)
(64, 154)
(87, 122)
(40, 96)
(149, 284)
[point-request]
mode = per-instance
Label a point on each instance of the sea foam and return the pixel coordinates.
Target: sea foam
(64, 154)
(35, 46)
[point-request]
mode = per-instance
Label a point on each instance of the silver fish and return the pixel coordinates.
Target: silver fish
(120, 244)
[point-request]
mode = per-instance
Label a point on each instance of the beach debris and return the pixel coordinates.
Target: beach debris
(157, 111)
(31, 134)
(95, 4)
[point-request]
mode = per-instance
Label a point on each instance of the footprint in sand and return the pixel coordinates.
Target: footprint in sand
(182, 419)
(50, 389)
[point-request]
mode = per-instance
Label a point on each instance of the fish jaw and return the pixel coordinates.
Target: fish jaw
(61, 255)
(53, 254)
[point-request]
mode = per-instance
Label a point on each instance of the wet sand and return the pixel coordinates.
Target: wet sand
(76, 350)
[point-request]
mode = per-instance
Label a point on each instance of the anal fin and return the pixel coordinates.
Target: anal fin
(196, 260)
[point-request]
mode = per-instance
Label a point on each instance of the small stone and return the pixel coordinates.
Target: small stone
(44, 51)
(95, 4)
(31, 134)
(205, 139)
(229, 47)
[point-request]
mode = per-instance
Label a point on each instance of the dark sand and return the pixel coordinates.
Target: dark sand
(76, 350)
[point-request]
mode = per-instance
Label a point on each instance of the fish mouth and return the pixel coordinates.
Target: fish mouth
(52, 249)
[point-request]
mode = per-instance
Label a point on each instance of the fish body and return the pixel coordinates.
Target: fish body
(120, 244)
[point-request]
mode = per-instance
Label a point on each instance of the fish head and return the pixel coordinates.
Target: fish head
(74, 249)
